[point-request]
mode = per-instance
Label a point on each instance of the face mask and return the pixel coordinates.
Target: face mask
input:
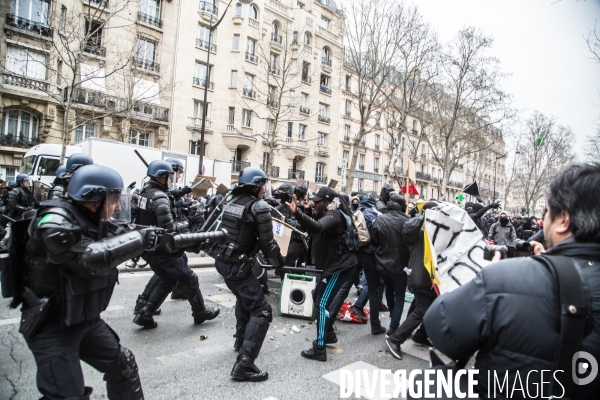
(284, 197)
(503, 221)
(354, 207)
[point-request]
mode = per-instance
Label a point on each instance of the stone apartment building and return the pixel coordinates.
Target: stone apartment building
(276, 94)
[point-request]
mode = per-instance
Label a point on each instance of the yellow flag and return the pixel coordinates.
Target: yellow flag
(428, 260)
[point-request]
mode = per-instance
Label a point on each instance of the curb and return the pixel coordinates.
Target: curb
(193, 262)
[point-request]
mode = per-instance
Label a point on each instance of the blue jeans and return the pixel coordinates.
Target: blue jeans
(398, 282)
(363, 298)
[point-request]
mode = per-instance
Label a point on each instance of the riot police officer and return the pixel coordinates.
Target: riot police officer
(58, 186)
(71, 255)
(247, 220)
(20, 198)
(157, 209)
(178, 169)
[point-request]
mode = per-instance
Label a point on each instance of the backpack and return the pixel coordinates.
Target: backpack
(360, 223)
(350, 236)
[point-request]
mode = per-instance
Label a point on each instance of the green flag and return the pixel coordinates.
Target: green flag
(539, 139)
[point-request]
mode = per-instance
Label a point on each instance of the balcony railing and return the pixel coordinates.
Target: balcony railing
(152, 111)
(207, 7)
(253, 23)
(148, 65)
(376, 146)
(276, 38)
(274, 171)
(304, 110)
(252, 57)
(272, 103)
(98, 3)
(202, 83)
(456, 184)
(361, 167)
(323, 118)
(324, 89)
(326, 61)
(249, 93)
(306, 79)
(295, 174)
(20, 140)
(24, 81)
(376, 169)
(150, 20)
(95, 50)
(39, 28)
(203, 44)
(346, 138)
(423, 156)
(273, 70)
(423, 176)
(237, 166)
(320, 179)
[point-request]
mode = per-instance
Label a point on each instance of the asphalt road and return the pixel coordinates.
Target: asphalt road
(175, 364)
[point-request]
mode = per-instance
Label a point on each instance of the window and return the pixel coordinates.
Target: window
(305, 71)
(246, 118)
(295, 37)
(348, 108)
(346, 133)
(62, 24)
(150, 7)
(236, 42)
(33, 10)
(266, 158)
(59, 72)
(84, 130)
(10, 174)
(324, 82)
(307, 38)
(320, 172)
(377, 142)
(323, 110)
(145, 54)
(292, 97)
(422, 149)
(251, 46)
(290, 131)
(231, 118)
(325, 22)
(375, 186)
(249, 82)
(200, 74)
(414, 125)
(348, 82)
(304, 100)
(345, 155)
(233, 82)
(361, 162)
(301, 132)
(93, 37)
(21, 125)
(270, 126)
(321, 139)
(238, 10)
(376, 164)
(275, 29)
(273, 64)
(300, 5)
(326, 55)
(26, 62)
(361, 181)
(139, 137)
(204, 34)
(253, 11)
(199, 109)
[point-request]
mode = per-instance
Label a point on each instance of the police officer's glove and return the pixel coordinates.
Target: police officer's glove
(186, 190)
(150, 236)
(280, 261)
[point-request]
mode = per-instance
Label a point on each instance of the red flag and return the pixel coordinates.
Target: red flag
(412, 189)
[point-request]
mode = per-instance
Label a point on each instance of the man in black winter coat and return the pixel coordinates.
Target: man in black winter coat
(476, 211)
(508, 313)
(384, 197)
(391, 256)
(296, 251)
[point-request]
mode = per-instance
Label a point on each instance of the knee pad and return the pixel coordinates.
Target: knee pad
(122, 380)
(194, 282)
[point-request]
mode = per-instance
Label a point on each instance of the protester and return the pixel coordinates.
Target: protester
(503, 232)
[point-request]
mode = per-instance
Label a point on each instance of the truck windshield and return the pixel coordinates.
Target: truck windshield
(27, 165)
(48, 166)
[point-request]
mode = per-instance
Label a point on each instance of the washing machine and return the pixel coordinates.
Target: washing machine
(296, 299)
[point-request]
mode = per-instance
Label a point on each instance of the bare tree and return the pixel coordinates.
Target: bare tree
(592, 146)
(467, 103)
(372, 50)
(279, 79)
(537, 165)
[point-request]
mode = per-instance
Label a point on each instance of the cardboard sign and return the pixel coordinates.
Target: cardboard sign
(332, 183)
(202, 189)
(222, 189)
(282, 235)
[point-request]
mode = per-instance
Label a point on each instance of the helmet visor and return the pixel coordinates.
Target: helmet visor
(116, 208)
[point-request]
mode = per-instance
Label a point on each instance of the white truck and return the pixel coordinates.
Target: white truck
(41, 161)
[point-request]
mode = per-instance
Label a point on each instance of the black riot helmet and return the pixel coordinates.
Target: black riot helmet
(252, 177)
(176, 164)
(92, 183)
(159, 169)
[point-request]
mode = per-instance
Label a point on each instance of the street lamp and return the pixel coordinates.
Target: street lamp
(207, 78)
(496, 167)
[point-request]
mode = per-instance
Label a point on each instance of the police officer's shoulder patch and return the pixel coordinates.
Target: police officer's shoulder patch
(45, 218)
(143, 202)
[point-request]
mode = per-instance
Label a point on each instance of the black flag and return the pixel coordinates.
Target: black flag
(473, 190)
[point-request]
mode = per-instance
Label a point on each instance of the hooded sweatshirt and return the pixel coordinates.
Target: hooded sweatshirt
(367, 207)
(384, 197)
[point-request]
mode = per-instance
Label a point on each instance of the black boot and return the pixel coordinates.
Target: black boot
(140, 303)
(206, 315)
(144, 318)
(330, 338)
(315, 353)
(244, 369)
(177, 293)
(86, 394)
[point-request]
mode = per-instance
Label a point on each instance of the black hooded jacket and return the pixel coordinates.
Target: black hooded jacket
(296, 242)
(384, 197)
(508, 314)
(392, 252)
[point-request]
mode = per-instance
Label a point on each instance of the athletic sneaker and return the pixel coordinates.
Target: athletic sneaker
(394, 349)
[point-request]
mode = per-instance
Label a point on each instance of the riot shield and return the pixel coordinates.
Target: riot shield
(40, 191)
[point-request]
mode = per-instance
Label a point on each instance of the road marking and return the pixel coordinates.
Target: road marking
(114, 308)
(226, 300)
(193, 354)
(10, 321)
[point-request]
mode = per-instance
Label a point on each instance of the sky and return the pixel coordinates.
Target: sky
(540, 44)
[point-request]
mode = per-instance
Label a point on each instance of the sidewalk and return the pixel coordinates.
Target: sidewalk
(193, 262)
